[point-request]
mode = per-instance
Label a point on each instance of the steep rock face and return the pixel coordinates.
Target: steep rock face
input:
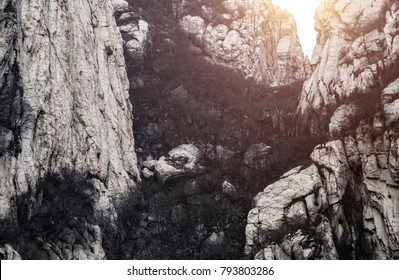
(357, 47)
(252, 37)
(64, 100)
(345, 204)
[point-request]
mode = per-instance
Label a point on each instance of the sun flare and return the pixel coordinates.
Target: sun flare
(303, 12)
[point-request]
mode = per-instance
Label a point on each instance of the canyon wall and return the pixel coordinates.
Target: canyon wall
(64, 106)
(345, 204)
(356, 56)
(253, 37)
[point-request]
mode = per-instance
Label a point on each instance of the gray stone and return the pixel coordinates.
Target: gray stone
(180, 161)
(215, 239)
(7, 252)
(180, 93)
(76, 111)
(347, 60)
(148, 174)
(228, 188)
(269, 54)
(149, 164)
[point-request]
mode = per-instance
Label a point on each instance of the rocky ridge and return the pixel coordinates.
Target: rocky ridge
(355, 56)
(345, 204)
(253, 37)
(64, 105)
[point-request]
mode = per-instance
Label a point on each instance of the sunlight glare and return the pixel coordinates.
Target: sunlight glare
(303, 11)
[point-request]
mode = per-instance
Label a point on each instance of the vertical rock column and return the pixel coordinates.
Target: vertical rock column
(64, 98)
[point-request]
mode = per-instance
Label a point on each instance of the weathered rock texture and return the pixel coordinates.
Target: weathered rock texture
(7, 252)
(345, 205)
(357, 50)
(180, 161)
(134, 30)
(63, 100)
(252, 37)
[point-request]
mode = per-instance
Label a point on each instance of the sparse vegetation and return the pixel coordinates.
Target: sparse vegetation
(60, 205)
(220, 108)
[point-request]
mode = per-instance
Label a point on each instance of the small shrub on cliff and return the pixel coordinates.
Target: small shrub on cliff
(61, 201)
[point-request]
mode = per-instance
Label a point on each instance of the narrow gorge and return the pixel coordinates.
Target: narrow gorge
(145, 129)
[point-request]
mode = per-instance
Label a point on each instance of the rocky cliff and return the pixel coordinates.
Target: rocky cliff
(63, 106)
(345, 204)
(253, 37)
(355, 56)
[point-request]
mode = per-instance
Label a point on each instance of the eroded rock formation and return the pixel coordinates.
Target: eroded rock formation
(345, 204)
(134, 30)
(64, 105)
(252, 37)
(355, 56)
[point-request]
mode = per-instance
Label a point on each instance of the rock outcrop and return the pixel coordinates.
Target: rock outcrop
(64, 103)
(134, 30)
(252, 37)
(356, 54)
(180, 161)
(7, 252)
(345, 204)
(343, 119)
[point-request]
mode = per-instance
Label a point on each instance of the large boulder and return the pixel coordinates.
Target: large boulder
(180, 161)
(193, 26)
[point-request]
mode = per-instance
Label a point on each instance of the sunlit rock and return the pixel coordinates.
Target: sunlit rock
(180, 161)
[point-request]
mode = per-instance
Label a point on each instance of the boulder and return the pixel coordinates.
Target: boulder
(149, 164)
(180, 93)
(215, 239)
(120, 6)
(180, 161)
(228, 188)
(147, 174)
(193, 26)
(137, 38)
